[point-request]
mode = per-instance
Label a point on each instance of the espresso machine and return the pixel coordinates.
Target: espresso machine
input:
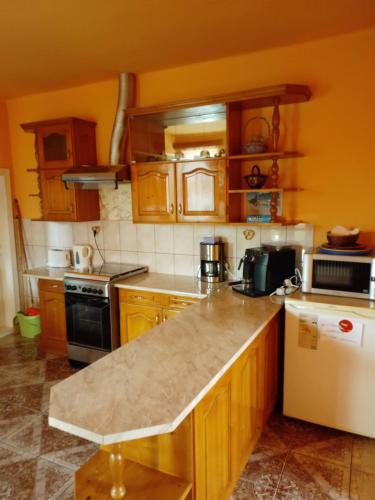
(212, 261)
(264, 269)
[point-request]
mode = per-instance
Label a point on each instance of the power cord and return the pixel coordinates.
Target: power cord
(288, 286)
(95, 232)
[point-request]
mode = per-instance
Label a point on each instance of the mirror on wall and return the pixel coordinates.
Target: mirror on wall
(183, 134)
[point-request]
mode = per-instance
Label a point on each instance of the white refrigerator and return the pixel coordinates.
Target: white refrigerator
(329, 362)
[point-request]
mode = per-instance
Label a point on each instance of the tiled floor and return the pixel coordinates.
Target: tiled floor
(293, 459)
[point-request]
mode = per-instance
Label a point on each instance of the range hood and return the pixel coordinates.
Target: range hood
(89, 176)
(97, 174)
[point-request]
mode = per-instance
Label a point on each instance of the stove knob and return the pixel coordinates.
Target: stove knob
(89, 290)
(68, 287)
(95, 291)
(100, 292)
(74, 287)
(84, 289)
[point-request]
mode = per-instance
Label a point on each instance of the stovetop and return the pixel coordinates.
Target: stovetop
(106, 272)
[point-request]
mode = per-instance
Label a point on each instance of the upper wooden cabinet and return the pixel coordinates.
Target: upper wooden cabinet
(59, 145)
(201, 191)
(179, 192)
(154, 192)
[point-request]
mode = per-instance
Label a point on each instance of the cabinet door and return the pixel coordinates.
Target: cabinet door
(135, 320)
(212, 423)
(271, 367)
(201, 191)
(55, 147)
(53, 322)
(170, 312)
(58, 202)
(153, 192)
(246, 413)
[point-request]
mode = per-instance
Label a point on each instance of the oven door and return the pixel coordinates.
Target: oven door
(88, 321)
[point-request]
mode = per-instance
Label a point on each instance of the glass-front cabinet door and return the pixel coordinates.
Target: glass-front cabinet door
(55, 146)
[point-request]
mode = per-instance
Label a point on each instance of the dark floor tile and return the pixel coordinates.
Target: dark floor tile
(20, 353)
(336, 450)
(28, 396)
(58, 368)
(305, 478)
(262, 476)
(295, 433)
(72, 458)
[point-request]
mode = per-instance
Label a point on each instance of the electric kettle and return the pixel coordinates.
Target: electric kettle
(82, 257)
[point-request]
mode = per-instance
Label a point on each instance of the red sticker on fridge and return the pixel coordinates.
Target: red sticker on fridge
(345, 326)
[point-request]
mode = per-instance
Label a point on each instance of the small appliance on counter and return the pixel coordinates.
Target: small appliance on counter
(58, 258)
(82, 257)
(212, 260)
(264, 269)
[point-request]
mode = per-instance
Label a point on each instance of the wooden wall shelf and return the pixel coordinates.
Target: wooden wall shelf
(265, 156)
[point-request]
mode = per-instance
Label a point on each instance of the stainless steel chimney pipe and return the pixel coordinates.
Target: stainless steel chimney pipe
(126, 96)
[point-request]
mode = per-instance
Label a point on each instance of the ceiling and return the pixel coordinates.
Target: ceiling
(49, 45)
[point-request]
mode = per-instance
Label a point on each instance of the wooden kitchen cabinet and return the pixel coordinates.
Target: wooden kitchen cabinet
(201, 192)
(141, 310)
(52, 317)
(153, 192)
(137, 319)
(59, 145)
(182, 192)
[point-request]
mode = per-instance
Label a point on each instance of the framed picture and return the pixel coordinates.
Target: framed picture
(260, 203)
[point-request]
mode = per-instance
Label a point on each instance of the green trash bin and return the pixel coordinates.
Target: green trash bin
(29, 325)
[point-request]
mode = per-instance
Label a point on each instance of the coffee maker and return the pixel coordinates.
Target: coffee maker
(212, 261)
(264, 269)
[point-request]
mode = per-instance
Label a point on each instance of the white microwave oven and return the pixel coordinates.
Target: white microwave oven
(339, 275)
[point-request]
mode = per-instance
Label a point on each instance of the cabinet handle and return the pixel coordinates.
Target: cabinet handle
(157, 319)
(180, 208)
(165, 317)
(138, 297)
(171, 210)
(68, 153)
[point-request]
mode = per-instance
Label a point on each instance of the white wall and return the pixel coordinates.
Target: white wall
(9, 301)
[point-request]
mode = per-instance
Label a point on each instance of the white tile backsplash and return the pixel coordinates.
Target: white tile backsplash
(58, 234)
(111, 235)
(165, 248)
(164, 263)
(147, 259)
(80, 233)
(201, 230)
(184, 265)
(164, 238)
(128, 236)
(129, 257)
(183, 239)
(146, 238)
(242, 243)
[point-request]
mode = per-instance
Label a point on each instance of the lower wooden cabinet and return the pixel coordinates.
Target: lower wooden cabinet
(140, 311)
(136, 319)
(52, 317)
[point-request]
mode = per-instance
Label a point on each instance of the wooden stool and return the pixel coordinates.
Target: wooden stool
(93, 481)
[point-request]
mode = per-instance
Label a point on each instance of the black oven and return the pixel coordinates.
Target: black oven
(91, 320)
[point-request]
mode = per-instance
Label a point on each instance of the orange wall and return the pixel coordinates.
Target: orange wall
(334, 130)
(5, 151)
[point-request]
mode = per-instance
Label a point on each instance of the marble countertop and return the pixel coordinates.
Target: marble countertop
(168, 283)
(47, 273)
(147, 387)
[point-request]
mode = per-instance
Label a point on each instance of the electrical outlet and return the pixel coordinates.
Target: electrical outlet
(95, 230)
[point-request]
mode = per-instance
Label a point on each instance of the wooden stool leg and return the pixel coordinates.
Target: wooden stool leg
(116, 465)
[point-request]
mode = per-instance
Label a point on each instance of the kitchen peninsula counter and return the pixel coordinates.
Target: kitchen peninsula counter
(150, 385)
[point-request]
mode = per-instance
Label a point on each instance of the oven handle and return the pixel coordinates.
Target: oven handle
(71, 298)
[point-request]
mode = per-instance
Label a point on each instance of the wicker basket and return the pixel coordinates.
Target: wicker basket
(257, 144)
